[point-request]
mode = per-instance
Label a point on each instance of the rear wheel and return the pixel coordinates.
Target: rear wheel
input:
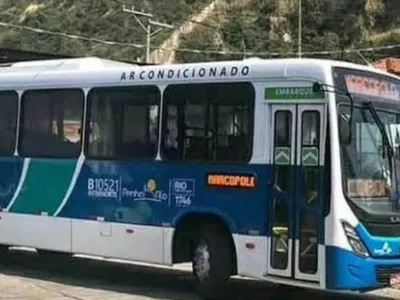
(212, 261)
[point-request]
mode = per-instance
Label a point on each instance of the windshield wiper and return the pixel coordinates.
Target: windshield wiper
(389, 148)
(382, 129)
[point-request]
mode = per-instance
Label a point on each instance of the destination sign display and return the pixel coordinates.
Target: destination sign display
(366, 188)
(366, 83)
(374, 87)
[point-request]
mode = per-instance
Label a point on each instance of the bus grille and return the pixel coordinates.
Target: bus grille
(383, 273)
(383, 229)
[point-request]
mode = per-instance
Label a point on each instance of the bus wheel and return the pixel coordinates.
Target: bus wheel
(212, 261)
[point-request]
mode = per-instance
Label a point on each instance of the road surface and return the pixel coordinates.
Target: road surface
(29, 276)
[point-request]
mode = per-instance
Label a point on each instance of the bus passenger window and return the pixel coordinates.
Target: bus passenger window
(8, 122)
(50, 123)
(208, 122)
(123, 122)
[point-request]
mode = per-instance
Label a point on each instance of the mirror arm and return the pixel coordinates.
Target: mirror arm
(318, 87)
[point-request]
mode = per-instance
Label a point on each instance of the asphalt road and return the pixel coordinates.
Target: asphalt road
(25, 275)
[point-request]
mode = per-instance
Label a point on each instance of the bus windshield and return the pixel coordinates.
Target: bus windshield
(366, 162)
(370, 165)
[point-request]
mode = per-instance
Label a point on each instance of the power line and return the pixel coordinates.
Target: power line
(218, 52)
(215, 14)
(300, 24)
(71, 36)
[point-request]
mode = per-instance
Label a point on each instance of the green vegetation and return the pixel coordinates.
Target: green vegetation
(100, 19)
(333, 25)
(254, 26)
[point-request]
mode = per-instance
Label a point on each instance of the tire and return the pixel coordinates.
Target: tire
(212, 261)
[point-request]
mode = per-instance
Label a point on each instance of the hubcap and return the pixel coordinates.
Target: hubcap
(202, 261)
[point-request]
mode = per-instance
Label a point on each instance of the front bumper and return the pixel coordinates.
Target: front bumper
(347, 271)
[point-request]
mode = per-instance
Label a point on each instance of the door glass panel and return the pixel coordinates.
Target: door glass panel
(280, 243)
(310, 129)
(310, 182)
(280, 212)
(310, 173)
(308, 262)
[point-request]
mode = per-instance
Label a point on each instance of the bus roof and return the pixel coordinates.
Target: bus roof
(61, 64)
(93, 71)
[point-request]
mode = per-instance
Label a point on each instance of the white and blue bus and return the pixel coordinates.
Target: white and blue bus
(284, 170)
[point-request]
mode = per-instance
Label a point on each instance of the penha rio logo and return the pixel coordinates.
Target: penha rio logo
(231, 180)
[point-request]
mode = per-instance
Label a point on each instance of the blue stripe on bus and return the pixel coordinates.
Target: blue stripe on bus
(122, 196)
(117, 192)
(377, 246)
(11, 170)
(349, 270)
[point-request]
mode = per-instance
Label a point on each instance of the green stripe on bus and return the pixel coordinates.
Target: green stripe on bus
(45, 185)
(293, 93)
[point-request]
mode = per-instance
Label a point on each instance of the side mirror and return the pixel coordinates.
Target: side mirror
(317, 87)
(344, 129)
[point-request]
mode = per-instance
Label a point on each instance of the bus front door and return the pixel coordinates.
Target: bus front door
(296, 219)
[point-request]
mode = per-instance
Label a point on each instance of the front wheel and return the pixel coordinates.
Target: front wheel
(212, 261)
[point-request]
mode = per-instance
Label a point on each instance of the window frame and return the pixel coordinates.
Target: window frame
(88, 120)
(22, 115)
(16, 121)
(206, 105)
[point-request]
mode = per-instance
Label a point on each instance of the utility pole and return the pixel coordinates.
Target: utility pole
(300, 24)
(147, 27)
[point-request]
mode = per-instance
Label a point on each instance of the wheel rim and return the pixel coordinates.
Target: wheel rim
(201, 261)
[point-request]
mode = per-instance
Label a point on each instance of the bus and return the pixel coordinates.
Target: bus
(284, 170)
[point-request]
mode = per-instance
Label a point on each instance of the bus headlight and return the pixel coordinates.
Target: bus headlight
(354, 241)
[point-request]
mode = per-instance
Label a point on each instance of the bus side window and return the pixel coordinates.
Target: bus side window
(50, 122)
(123, 122)
(208, 122)
(8, 122)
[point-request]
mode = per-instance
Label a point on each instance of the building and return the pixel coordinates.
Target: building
(388, 64)
(8, 55)
(13, 55)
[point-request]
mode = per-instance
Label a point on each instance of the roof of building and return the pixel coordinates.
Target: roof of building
(388, 64)
(9, 55)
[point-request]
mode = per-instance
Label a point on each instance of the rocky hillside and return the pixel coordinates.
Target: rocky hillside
(91, 21)
(269, 28)
(221, 29)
